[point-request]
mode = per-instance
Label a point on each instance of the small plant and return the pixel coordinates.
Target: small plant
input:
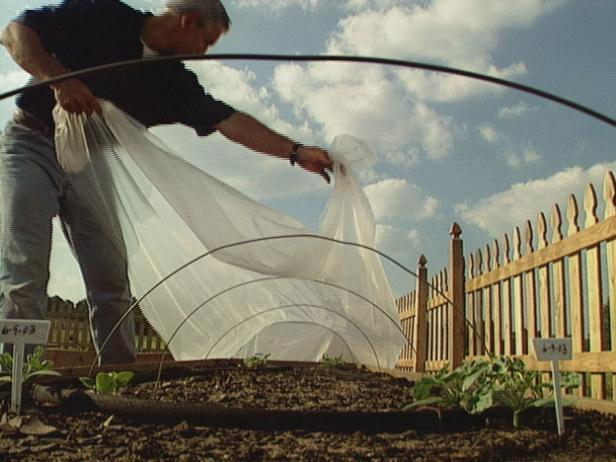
(34, 366)
(460, 388)
(519, 389)
(108, 383)
(477, 385)
(256, 361)
(332, 362)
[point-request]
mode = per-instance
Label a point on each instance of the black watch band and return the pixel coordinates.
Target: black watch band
(293, 154)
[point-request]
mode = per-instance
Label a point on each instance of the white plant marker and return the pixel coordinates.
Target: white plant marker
(21, 332)
(554, 350)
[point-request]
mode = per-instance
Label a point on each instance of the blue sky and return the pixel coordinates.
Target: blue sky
(448, 148)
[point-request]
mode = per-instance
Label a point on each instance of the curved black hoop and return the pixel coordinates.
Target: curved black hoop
(328, 58)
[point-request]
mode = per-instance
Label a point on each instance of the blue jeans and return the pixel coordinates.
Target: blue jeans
(33, 189)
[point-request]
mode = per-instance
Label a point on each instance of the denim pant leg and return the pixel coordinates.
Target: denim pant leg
(103, 264)
(30, 185)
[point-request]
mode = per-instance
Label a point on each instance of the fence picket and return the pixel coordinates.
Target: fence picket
(609, 196)
(593, 281)
(518, 297)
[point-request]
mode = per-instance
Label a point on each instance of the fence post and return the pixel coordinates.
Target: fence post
(456, 295)
(421, 330)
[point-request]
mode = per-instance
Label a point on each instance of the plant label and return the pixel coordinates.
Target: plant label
(21, 332)
(30, 332)
(554, 350)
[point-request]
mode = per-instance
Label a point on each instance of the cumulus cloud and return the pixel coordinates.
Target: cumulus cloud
(277, 5)
(449, 32)
(503, 211)
(361, 100)
(517, 110)
(516, 159)
(239, 88)
(396, 242)
(393, 107)
(397, 200)
(489, 133)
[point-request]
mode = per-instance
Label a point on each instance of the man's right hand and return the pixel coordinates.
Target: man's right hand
(75, 97)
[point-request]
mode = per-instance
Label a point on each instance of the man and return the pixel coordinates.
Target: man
(73, 35)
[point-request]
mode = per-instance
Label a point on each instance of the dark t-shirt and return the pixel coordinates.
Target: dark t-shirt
(86, 33)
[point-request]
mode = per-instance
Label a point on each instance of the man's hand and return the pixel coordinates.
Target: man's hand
(73, 96)
(315, 160)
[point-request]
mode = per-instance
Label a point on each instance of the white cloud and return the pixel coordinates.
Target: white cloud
(395, 200)
(527, 155)
(517, 110)
(363, 101)
(277, 5)
(12, 80)
(450, 32)
(503, 211)
(396, 242)
(489, 133)
(238, 88)
(311, 5)
(391, 107)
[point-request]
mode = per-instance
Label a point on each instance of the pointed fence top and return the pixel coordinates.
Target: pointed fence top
(455, 230)
(422, 261)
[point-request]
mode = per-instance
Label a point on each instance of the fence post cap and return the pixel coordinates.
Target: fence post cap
(422, 260)
(455, 230)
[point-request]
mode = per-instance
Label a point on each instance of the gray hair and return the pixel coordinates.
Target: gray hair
(209, 10)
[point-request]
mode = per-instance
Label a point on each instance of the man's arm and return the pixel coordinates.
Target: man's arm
(248, 131)
(26, 49)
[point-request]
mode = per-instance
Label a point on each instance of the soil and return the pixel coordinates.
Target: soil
(71, 433)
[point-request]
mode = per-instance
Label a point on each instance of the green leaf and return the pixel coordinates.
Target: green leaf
(6, 362)
(122, 378)
(104, 383)
(88, 382)
(424, 402)
(471, 379)
(484, 401)
(543, 402)
(42, 372)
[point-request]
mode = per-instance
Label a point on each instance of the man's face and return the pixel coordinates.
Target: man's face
(194, 39)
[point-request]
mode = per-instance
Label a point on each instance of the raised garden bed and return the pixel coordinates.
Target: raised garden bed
(230, 412)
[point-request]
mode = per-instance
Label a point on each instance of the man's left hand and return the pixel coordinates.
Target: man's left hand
(315, 160)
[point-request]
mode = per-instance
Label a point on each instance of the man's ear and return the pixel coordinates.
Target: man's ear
(187, 20)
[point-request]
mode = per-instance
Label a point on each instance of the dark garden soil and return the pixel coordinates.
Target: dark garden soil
(73, 433)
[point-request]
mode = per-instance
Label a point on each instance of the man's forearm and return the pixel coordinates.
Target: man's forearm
(26, 49)
(248, 131)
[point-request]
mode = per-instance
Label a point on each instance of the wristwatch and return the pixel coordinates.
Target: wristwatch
(294, 151)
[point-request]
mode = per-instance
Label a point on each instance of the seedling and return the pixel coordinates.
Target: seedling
(477, 385)
(108, 383)
(332, 362)
(460, 388)
(35, 366)
(258, 360)
(520, 389)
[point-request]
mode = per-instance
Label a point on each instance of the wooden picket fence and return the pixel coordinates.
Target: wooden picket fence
(548, 283)
(70, 330)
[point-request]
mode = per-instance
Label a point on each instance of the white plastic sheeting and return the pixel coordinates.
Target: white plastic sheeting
(296, 298)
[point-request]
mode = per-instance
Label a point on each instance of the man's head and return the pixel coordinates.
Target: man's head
(200, 24)
(207, 10)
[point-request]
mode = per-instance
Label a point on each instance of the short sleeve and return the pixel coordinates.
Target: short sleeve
(196, 108)
(55, 24)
